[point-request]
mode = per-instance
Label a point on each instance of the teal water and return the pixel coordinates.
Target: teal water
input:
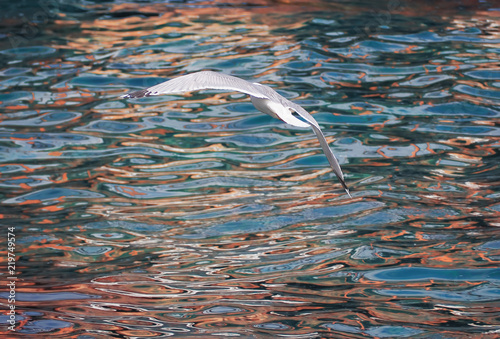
(197, 216)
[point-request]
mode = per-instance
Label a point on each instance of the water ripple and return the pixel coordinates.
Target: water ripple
(195, 215)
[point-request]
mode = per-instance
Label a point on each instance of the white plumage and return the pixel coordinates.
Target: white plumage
(263, 97)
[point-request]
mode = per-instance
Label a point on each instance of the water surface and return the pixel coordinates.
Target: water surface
(196, 216)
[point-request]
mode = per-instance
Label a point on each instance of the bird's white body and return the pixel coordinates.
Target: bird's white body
(263, 97)
(277, 111)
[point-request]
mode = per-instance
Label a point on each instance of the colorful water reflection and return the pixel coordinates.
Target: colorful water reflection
(197, 216)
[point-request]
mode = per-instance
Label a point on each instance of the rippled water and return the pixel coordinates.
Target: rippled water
(195, 215)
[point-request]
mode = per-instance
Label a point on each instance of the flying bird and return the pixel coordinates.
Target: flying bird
(263, 97)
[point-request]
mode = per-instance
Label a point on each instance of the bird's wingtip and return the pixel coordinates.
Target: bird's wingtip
(344, 185)
(138, 94)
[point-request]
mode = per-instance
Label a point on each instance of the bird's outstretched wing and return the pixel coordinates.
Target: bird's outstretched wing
(334, 164)
(199, 81)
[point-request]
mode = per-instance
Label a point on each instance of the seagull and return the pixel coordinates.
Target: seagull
(263, 97)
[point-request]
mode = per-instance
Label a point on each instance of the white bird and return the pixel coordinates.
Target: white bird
(263, 97)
